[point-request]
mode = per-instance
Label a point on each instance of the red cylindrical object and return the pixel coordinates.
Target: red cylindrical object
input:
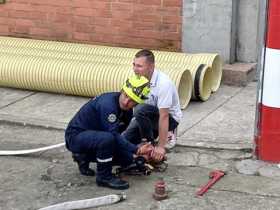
(267, 137)
(160, 192)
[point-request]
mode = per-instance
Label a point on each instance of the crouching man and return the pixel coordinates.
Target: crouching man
(93, 134)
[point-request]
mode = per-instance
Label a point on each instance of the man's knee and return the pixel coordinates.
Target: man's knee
(141, 109)
(146, 114)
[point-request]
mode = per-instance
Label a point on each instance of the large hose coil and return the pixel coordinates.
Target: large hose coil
(88, 70)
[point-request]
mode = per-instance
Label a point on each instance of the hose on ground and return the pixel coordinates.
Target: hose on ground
(28, 151)
(87, 203)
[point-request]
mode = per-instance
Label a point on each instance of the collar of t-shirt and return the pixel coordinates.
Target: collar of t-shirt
(154, 78)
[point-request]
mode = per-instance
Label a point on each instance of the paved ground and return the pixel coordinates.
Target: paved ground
(217, 134)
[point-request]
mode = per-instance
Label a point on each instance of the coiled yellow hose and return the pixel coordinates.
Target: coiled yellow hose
(76, 77)
(200, 88)
(61, 55)
(211, 59)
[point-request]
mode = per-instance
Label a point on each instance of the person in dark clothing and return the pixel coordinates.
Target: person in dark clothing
(94, 133)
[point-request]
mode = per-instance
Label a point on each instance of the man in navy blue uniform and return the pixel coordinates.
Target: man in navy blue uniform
(94, 133)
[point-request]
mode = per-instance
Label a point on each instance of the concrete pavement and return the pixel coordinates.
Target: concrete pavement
(217, 134)
(225, 121)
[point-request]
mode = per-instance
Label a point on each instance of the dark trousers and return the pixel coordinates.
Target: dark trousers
(145, 124)
(98, 145)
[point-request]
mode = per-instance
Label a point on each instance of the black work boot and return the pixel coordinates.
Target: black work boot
(112, 182)
(83, 164)
(105, 178)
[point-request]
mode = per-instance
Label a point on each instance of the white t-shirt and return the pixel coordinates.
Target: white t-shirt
(163, 94)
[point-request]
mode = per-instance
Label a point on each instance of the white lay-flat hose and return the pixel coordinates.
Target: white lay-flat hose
(87, 203)
(28, 151)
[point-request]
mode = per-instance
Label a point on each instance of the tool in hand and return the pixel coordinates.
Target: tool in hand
(214, 177)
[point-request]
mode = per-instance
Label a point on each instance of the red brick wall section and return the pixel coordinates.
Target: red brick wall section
(154, 24)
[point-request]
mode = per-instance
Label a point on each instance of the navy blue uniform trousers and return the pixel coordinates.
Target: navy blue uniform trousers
(99, 145)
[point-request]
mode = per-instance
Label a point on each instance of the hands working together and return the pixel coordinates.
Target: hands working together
(151, 153)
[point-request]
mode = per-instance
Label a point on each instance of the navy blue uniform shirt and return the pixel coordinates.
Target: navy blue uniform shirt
(102, 113)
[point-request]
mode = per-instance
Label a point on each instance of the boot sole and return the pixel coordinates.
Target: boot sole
(102, 184)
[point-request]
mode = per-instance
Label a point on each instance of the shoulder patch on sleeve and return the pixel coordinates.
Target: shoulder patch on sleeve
(112, 118)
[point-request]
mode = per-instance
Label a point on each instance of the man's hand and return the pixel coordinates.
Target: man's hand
(158, 153)
(145, 150)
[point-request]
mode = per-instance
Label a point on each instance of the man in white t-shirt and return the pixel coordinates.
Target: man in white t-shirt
(161, 113)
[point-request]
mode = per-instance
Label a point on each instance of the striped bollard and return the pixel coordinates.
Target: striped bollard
(267, 129)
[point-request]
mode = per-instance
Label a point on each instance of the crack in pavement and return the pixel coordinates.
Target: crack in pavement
(18, 100)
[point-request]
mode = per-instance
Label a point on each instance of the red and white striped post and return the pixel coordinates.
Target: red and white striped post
(267, 129)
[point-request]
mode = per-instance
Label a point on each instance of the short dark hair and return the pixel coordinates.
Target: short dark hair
(148, 54)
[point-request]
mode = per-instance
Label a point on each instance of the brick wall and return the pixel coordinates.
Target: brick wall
(154, 24)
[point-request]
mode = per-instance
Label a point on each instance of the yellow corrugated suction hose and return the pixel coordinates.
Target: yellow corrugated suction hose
(202, 85)
(200, 88)
(201, 78)
(75, 76)
(63, 76)
(184, 84)
(213, 60)
(84, 48)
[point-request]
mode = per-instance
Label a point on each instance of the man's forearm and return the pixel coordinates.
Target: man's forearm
(163, 129)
